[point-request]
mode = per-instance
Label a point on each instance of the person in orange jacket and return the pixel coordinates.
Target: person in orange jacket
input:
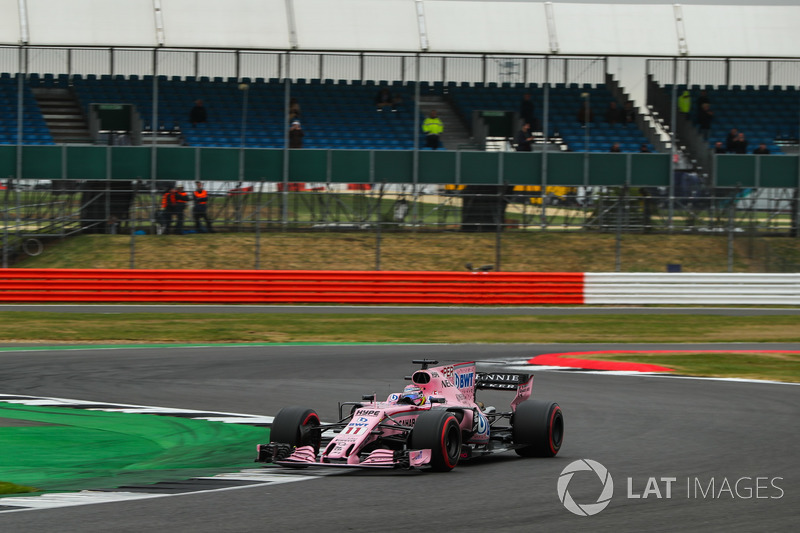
(200, 208)
(164, 218)
(179, 201)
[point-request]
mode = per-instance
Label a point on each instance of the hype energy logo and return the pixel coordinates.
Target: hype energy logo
(586, 509)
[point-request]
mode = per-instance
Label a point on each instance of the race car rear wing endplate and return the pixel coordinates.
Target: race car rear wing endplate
(500, 381)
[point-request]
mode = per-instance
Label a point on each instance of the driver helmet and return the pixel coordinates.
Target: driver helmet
(412, 394)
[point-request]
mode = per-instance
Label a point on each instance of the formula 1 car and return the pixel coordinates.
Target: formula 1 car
(435, 422)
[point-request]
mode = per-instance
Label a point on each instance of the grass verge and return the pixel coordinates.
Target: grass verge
(13, 488)
(520, 251)
(45, 327)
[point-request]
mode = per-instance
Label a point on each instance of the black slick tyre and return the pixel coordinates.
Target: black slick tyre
(439, 431)
(538, 425)
(295, 425)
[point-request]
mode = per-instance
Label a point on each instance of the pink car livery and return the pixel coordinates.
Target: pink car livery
(435, 422)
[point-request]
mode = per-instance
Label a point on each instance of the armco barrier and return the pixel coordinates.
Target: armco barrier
(692, 288)
(387, 287)
(289, 286)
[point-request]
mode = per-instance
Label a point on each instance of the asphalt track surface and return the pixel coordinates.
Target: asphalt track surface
(638, 427)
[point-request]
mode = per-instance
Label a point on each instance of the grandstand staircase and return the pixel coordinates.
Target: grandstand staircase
(456, 136)
(63, 116)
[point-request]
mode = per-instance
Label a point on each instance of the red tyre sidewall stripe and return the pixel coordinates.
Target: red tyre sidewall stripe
(550, 430)
(309, 418)
(444, 446)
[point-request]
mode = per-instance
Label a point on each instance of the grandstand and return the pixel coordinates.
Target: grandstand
(766, 114)
(161, 62)
(246, 60)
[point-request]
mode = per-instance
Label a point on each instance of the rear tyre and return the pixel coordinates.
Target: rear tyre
(295, 425)
(539, 426)
(439, 431)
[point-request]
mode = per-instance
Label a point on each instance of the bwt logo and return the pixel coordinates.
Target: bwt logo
(587, 509)
(464, 380)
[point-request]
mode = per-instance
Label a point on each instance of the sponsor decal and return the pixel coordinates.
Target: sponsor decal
(362, 419)
(367, 412)
(483, 424)
(447, 372)
(463, 381)
(502, 378)
(407, 421)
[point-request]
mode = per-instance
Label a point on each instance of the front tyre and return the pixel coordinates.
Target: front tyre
(296, 426)
(539, 426)
(439, 431)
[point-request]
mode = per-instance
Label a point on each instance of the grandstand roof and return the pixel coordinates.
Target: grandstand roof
(696, 28)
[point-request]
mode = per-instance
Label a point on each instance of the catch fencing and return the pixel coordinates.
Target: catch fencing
(383, 287)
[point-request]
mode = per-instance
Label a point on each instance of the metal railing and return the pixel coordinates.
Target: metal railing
(33, 213)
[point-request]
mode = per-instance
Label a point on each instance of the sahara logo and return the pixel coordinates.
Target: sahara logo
(587, 509)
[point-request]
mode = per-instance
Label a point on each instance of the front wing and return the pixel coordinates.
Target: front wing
(303, 456)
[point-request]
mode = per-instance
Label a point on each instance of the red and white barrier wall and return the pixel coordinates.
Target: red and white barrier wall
(388, 287)
(691, 288)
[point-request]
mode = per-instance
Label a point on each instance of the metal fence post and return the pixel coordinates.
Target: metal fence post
(731, 223)
(618, 239)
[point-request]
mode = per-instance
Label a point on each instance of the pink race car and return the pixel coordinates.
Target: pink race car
(436, 421)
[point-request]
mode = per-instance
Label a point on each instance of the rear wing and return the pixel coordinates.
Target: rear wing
(500, 381)
(521, 383)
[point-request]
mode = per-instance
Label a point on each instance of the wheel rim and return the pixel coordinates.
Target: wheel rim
(307, 436)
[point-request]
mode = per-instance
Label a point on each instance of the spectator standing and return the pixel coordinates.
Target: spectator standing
(719, 148)
(200, 208)
(704, 118)
(432, 127)
(524, 138)
(685, 102)
(730, 140)
(198, 114)
(740, 144)
(702, 99)
(614, 114)
(629, 113)
(585, 113)
(761, 150)
(296, 135)
(527, 112)
(643, 149)
(615, 148)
